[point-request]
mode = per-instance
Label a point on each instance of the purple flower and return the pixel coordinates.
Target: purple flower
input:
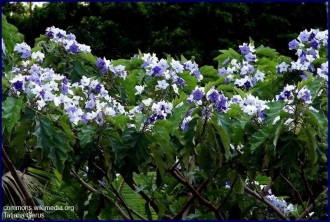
(314, 44)
(222, 71)
(99, 63)
(214, 96)
(197, 94)
(293, 44)
(50, 34)
(59, 35)
(71, 36)
(42, 93)
(64, 89)
(244, 49)
(74, 48)
(180, 82)
(247, 84)
(90, 104)
(157, 71)
(98, 88)
(250, 57)
(18, 85)
(65, 80)
(303, 36)
(307, 96)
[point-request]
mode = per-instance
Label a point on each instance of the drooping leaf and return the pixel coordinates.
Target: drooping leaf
(11, 112)
(54, 143)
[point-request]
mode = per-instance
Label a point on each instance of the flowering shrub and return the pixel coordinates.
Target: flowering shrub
(184, 137)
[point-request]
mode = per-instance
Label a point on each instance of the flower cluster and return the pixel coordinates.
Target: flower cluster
(84, 101)
(281, 204)
(307, 46)
(251, 105)
(68, 41)
(242, 73)
(168, 73)
(23, 49)
(105, 65)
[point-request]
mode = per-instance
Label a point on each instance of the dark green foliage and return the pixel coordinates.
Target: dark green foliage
(116, 30)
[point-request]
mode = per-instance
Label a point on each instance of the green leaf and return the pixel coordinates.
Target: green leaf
(88, 57)
(21, 131)
(178, 115)
(260, 137)
(86, 135)
(266, 52)
(54, 143)
(308, 135)
(190, 80)
(227, 54)
(40, 39)
(225, 139)
(209, 71)
(274, 110)
(11, 111)
(119, 121)
(262, 180)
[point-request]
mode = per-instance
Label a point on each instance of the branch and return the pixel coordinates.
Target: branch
(202, 200)
(310, 208)
(231, 190)
(264, 200)
(190, 200)
(91, 189)
(295, 190)
(303, 177)
(148, 199)
(190, 170)
(10, 166)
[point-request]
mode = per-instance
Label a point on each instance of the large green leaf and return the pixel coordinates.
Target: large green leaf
(11, 111)
(261, 136)
(86, 134)
(53, 142)
(225, 139)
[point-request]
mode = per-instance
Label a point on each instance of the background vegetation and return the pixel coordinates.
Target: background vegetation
(117, 30)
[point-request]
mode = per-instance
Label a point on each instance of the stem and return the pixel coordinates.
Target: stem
(231, 190)
(190, 170)
(310, 207)
(91, 189)
(191, 200)
(25, 191)
(303, 177)
(122, 201)
(295, 190)
(147, 198)
(201, 199)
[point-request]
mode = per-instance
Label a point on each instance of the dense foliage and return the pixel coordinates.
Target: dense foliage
(117, 30)
(162, 138)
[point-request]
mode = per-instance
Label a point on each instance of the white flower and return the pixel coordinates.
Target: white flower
(259, 76)
(162, 84)
(277, 118)
(147, 102)
(175, 88)
(139, 89)
(177, 66)
(38, 56)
